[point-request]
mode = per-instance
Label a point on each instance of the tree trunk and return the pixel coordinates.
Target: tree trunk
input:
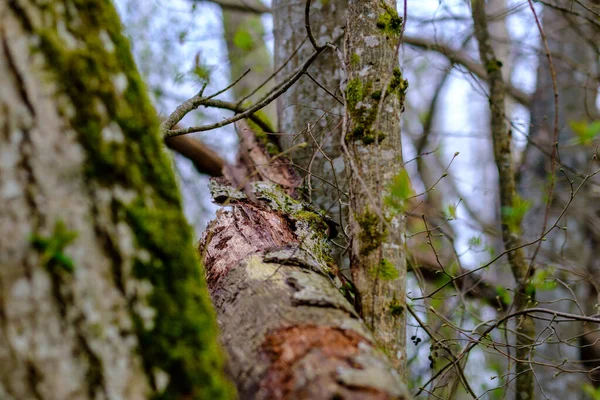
(307, 112)
(243, 33)
(374, 97)
(572, 254)
(289, 329)
(101, 294)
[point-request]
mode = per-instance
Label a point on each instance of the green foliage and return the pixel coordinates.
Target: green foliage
(513, 216)
(372, 231)
(52, 248)
(400, 189)
(355, 60)
(200, 71)
(593, 392)
(450, 211)
(586, 132)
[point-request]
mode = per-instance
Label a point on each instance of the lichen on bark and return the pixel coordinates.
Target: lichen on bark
(131, 215)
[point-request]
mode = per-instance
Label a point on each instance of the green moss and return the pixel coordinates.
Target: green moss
(355, 60)
(398, 85)
(493, 66)
(363, 116)
(101, 92)
(354, 92)
(52, 248)
(267, 141)
(396, 309)
(371, 235)
(376, 95)
(389, 21)
(387, 271)
(313, 219)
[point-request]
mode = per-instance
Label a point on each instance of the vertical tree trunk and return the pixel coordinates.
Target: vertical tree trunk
(509, 202)
(307, 113)
(247, 50)
(572, 252)
(374, 97)
(101, 294)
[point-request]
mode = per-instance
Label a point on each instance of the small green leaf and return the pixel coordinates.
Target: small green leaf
(503, 295)
(242, 39)
(586, 132)
(543, 279)
(400, 189)
(513, 216)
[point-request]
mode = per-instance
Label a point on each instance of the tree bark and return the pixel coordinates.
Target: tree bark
(307, 112)
(101, 294)
(572, 254)
(509, 201)
(289, 329)
(374, 98)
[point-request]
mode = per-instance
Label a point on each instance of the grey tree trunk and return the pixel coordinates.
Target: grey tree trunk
(307, 113)
(101, 294)
(374, 97)
(571, 254)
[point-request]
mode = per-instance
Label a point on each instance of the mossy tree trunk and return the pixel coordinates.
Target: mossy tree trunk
(374, 98)
(101, 292)
(287, 324)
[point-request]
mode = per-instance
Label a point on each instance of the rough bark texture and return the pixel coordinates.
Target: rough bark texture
(572, 254)
(374, 96)
(307, 113)
(525, 329)
(101, 294)
(288, 328)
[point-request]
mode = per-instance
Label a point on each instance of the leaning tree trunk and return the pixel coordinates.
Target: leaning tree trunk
(283, 307)
(571, 255)
(101, 294)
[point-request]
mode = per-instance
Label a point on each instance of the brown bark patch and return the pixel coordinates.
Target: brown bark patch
(304, 364)
(238, 233)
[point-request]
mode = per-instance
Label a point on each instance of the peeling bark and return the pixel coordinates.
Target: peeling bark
(288, 328)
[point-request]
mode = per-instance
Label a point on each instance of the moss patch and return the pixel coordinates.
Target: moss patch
(106, 103)
(396, 309)
(385, 270)
(389, 21)
(371, 235)
(398, 85)
(51, 248)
